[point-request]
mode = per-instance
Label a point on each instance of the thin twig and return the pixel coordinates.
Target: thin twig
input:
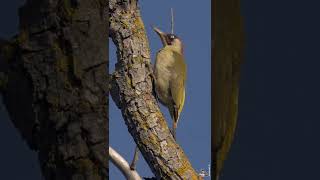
(135, 159)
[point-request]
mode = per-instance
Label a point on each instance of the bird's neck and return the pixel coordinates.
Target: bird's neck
(177, 48)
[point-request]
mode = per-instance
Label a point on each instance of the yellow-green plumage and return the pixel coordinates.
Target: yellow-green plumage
(170, 76)
(170, 73)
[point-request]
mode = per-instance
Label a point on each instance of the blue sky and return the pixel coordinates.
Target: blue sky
(193, 26)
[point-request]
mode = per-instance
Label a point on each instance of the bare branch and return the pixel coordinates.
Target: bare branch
(123, 165)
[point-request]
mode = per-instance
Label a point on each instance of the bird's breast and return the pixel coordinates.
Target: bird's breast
(163, 74)
(162, 84)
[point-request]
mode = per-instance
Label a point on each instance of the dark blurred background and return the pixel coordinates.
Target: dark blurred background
(278, 131)
(17, 161)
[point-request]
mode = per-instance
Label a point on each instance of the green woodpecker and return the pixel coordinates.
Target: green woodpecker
(170, 76)
(170, 73)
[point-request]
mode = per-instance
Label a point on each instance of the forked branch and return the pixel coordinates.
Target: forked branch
(122, 165)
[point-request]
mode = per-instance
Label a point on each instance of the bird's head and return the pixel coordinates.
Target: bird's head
(169, 39)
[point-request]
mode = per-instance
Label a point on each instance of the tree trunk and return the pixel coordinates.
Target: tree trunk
(53, 78)
(132, 92)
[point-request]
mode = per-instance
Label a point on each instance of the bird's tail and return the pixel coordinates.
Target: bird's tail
(174, 113)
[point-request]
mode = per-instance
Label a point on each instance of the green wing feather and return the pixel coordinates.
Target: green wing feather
(227, 54)
(177, 85)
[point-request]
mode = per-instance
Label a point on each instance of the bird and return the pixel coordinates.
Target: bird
(169, 78)
(170, 71)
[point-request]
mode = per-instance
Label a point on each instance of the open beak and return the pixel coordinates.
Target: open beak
(162, 36)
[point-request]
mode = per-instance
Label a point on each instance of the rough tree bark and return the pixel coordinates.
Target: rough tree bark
(132, 92)
(53, 78)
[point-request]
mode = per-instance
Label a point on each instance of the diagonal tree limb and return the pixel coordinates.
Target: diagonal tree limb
(132, 92)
